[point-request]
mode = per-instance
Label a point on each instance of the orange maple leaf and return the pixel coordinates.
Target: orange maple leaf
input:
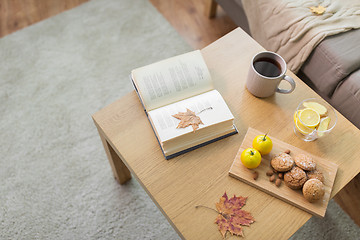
(188, 118)
(231, 217)
(319, 10)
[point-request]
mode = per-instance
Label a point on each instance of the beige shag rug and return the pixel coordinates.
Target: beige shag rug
(56, 182)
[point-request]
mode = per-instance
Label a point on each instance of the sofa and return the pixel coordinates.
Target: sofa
(332, 69)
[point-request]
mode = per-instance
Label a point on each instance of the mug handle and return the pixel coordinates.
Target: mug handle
(292, 83)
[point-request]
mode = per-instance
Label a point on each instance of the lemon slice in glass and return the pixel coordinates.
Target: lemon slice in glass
(323, 126)
(322, 110)
(309, 117)
(296, 115)
(304, 130)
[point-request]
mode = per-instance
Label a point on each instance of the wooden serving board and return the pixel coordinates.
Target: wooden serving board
(294, 197)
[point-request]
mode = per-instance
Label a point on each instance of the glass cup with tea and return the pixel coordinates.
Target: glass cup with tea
(314, 118)
(267, 70)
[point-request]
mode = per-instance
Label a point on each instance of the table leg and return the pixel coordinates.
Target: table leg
(349, 199)
(210, 8)
(120, 171)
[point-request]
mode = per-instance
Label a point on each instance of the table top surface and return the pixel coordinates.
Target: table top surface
(201, 177)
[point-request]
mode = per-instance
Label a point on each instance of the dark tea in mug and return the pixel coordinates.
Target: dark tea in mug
(267, 67)
(266, 71)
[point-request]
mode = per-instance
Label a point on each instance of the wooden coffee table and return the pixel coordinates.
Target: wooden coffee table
(201, 177)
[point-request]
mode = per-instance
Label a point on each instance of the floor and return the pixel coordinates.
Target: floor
(187, 17)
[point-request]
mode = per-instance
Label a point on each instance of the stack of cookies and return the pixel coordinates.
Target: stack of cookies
(300, 173)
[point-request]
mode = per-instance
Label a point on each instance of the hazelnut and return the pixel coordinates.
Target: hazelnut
(269, 172)
(255, 175)
(272, 178)
(278, 182)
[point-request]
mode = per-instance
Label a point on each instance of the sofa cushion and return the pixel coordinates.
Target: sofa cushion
(333, 60)
(346, 98)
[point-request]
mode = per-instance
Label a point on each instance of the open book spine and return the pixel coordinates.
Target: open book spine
(138, 94)
(200, 145)
(167, 157)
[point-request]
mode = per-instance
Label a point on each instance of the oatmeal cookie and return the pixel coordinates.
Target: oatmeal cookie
(313, 190)
(295, 178)
(305, 162)
(282, 162)
(315, 174)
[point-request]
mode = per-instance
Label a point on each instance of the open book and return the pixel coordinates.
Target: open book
(174, 85)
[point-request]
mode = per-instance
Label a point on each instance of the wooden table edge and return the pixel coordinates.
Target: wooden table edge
(121, 171)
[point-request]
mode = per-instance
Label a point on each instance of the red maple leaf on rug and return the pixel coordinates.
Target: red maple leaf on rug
(231, 217)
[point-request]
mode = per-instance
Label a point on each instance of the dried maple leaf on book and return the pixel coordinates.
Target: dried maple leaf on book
(231, 217)
(188, 118)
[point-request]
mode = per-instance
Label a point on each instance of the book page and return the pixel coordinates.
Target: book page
(209, 106)
(172, 79)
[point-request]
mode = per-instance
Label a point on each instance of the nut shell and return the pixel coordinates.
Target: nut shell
(255, 175)
(278, 182)
(269, 172)
(272, 178)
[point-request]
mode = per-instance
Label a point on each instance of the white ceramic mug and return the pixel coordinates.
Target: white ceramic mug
(267, 70)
